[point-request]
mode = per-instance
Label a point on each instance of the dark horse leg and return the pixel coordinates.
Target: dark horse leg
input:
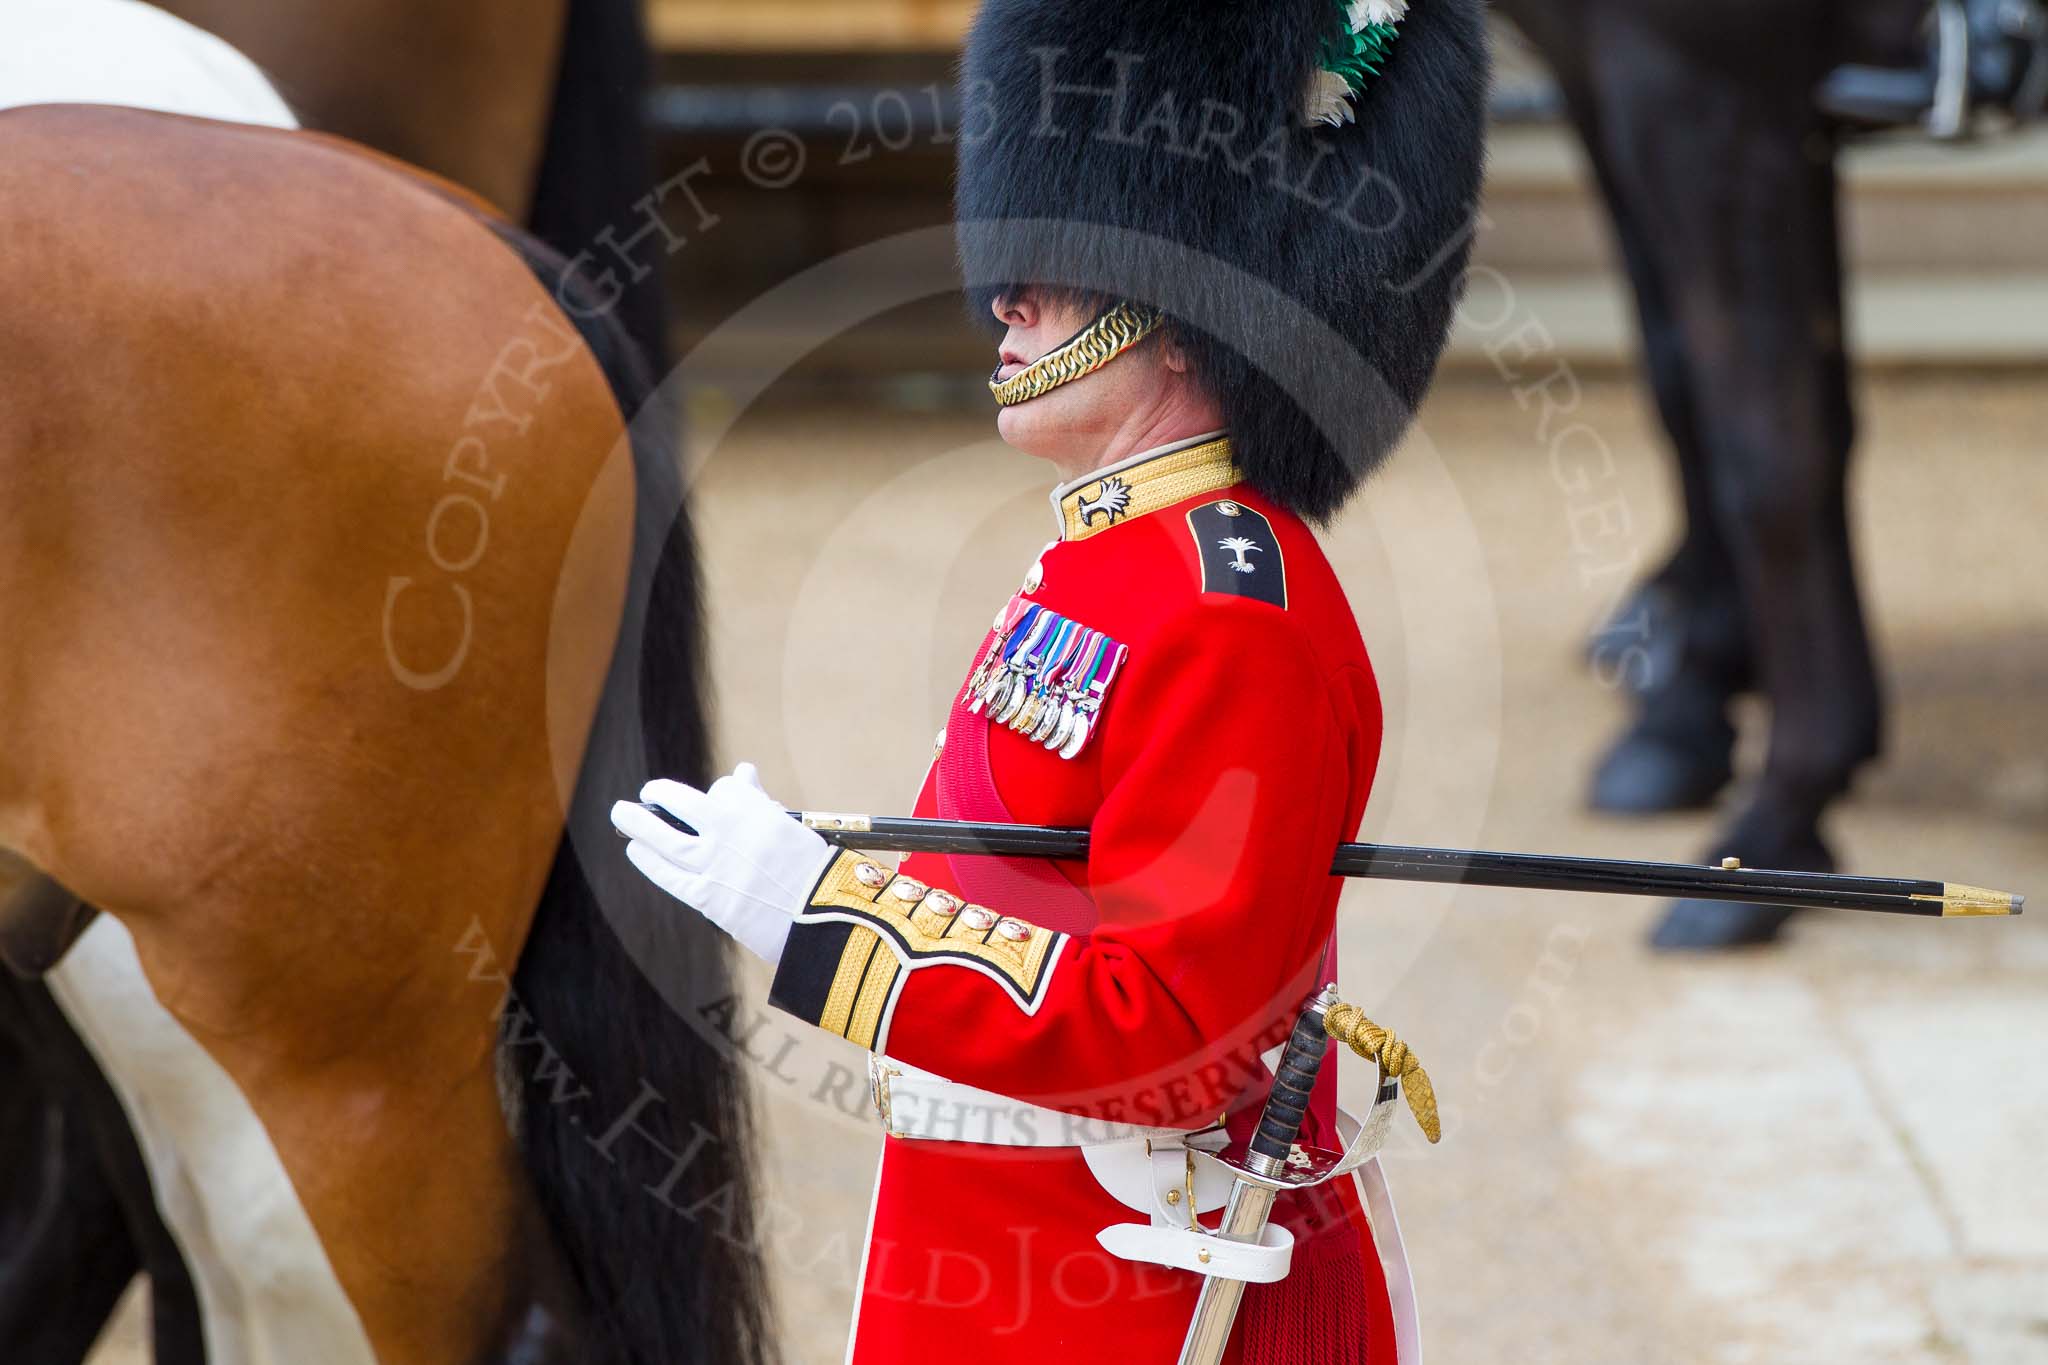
(1724, 176)
(1679, 644)
(1881, 31)
(78, 1221)
(65, 1257)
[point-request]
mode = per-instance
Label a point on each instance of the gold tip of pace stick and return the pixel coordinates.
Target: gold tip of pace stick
(1975, 902)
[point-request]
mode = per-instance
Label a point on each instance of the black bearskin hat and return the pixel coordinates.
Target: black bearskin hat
(1161, 153)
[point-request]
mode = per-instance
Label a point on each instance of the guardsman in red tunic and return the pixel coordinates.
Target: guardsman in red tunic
(1221, 244)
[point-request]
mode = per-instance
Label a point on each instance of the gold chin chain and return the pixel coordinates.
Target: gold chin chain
(1100, 342)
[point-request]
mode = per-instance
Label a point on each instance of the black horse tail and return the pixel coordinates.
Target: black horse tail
(598, 161)
(629, 1104)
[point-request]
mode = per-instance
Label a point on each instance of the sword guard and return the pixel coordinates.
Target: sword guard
(1306, 1165)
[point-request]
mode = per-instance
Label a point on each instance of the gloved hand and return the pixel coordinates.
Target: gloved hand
(748, 869)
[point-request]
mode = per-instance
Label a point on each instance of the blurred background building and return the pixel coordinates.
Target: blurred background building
(1949, 246)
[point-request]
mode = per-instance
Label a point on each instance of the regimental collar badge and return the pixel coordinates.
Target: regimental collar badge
(1045, 677)
(1112, 499)
(1144, 483)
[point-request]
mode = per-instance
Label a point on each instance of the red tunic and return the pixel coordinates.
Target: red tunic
(1232, 752)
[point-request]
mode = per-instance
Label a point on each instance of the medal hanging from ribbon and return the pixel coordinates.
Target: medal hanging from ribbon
(1045, 677)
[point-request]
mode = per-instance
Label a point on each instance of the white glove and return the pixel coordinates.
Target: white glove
(749, 868)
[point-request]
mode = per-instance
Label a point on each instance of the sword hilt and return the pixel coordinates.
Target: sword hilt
(1251, 1198)
(1294, 1080)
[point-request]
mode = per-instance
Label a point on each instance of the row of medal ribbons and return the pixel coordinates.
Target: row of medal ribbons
(1045, 676)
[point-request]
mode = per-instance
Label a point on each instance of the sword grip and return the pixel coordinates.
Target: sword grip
(1295, 1079)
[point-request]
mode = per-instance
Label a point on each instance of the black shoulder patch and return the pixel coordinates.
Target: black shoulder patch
(1240, 554)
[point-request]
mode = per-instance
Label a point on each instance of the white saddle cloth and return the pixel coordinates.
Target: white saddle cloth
(128, 53)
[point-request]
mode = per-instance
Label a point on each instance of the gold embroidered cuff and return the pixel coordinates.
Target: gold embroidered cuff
(921, 927)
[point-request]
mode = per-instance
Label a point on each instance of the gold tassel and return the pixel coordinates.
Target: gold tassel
(1349, 1026)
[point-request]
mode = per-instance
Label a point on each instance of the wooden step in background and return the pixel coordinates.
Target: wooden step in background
(808, 25)
(1948, 249)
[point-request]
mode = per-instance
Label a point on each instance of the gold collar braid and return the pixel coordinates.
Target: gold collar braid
(1100, 342)
(1143, 484)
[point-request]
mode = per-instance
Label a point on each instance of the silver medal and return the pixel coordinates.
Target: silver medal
(1058, 738)
(1048, 722)
(988, 692)
(1020, 692)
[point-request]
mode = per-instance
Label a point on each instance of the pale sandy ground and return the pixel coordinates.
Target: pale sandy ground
(1826, 1152)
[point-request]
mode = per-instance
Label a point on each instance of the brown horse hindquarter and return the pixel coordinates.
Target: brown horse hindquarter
(313, 535)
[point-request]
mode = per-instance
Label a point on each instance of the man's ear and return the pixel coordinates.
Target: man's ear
(1176, 358)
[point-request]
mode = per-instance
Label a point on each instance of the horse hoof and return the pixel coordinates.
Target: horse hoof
(1649, 774)
(1877, 97)
(1714, 926)
(1639, 646)
(1761, 839)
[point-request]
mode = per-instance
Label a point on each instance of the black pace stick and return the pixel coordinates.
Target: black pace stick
(1525, 871)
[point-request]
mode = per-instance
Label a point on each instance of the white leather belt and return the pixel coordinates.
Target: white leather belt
(1168, 1174)
(918, 1105)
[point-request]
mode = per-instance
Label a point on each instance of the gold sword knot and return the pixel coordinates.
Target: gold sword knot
(1349, 1026)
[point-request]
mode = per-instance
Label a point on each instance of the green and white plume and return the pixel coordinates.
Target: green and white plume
(1351, 61)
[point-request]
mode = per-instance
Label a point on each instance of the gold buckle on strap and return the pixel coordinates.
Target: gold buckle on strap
(879, 1072)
